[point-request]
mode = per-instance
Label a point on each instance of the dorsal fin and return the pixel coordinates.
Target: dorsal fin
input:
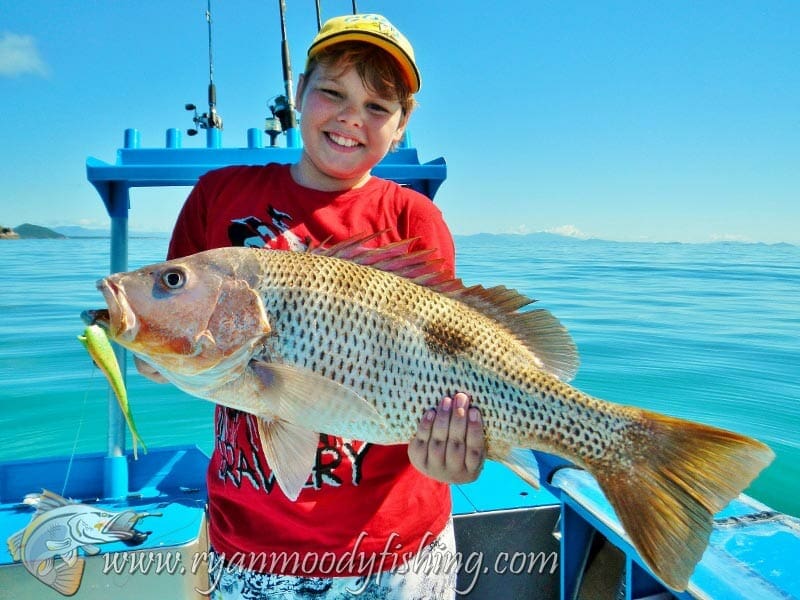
(393, 258)
(538, 330)
(48, 500)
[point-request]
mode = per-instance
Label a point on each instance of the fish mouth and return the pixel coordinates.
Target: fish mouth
(98, 316)
(118, 320)
(122, 527)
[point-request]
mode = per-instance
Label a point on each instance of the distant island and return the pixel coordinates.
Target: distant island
(26, 231)
(38, 232)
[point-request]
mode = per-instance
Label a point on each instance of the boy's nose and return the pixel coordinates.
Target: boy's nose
(350, 115)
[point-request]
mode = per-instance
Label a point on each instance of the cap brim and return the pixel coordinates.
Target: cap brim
(407, 64)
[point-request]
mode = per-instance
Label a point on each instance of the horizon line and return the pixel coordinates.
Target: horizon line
(105, 232)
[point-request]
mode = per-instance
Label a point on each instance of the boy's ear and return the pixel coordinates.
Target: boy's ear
(401, 129)
(301, 85)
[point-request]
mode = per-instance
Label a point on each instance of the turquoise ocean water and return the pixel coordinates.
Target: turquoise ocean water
(707, 332)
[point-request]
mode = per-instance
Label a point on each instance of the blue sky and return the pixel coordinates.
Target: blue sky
(629, 120)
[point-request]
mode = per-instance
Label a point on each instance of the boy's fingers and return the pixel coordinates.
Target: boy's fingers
(476, 445)
(418, 447)
(456, 440)
(437, 446)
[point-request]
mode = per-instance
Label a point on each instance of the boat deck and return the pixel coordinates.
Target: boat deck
(509, 535)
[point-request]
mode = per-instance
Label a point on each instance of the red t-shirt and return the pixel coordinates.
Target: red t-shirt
(364, 508)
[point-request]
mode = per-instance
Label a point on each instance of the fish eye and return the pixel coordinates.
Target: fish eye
(173, 279)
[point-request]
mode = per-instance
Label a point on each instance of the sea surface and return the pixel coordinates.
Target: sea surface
(708, 332)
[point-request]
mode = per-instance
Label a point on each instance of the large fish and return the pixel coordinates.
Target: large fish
(359, 343)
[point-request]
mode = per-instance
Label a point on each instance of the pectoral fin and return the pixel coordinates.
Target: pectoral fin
(291, 452)
(56, 545)
(317, 403)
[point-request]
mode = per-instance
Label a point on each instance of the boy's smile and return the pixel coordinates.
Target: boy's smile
(346, 129)
(341, 140)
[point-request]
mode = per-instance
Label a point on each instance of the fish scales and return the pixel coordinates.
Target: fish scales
(323, 342)
(388, 338)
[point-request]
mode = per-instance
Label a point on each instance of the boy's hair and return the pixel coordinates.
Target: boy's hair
(378, 70)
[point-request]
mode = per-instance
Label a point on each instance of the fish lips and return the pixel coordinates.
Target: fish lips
(122, 527)
(119, 320)
(96, 317)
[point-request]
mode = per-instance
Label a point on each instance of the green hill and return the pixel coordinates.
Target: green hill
(28, 231)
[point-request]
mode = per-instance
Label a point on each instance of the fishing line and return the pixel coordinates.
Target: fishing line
(78, 432)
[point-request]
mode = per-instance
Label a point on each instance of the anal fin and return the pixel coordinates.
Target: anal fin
(522, 462)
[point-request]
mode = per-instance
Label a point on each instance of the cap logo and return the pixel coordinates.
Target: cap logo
(375, 22)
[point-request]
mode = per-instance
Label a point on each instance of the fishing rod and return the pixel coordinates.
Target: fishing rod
(283, 118)
(211, 119)
(319, 13)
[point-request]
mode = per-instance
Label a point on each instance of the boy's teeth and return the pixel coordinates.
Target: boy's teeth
(342, 141)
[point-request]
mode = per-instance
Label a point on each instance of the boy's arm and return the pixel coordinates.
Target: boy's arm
(423, 220)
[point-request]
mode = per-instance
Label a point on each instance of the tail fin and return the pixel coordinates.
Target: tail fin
(670, 480)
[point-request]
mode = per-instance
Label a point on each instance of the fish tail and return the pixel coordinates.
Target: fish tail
(14, 544)
(67, 578)
(668, 480)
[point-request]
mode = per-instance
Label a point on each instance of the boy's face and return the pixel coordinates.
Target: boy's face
(346, 128)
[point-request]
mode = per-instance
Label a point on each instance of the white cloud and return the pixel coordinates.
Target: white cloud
(19, 55)
(519, 230)
(568, 231)
(90, 223)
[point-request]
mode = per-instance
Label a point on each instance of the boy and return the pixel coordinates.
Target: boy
(367, 511)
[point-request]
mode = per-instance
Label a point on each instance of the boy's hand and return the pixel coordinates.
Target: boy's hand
(449, 444)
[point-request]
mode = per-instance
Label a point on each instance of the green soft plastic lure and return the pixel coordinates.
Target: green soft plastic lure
(95, 340)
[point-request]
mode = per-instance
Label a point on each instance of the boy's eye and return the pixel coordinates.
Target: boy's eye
(330, 92)
(377, 108)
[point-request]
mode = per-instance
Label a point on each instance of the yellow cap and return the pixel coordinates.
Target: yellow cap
(373, 29)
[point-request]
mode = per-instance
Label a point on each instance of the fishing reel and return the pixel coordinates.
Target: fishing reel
(281, 120)
(209, 120)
